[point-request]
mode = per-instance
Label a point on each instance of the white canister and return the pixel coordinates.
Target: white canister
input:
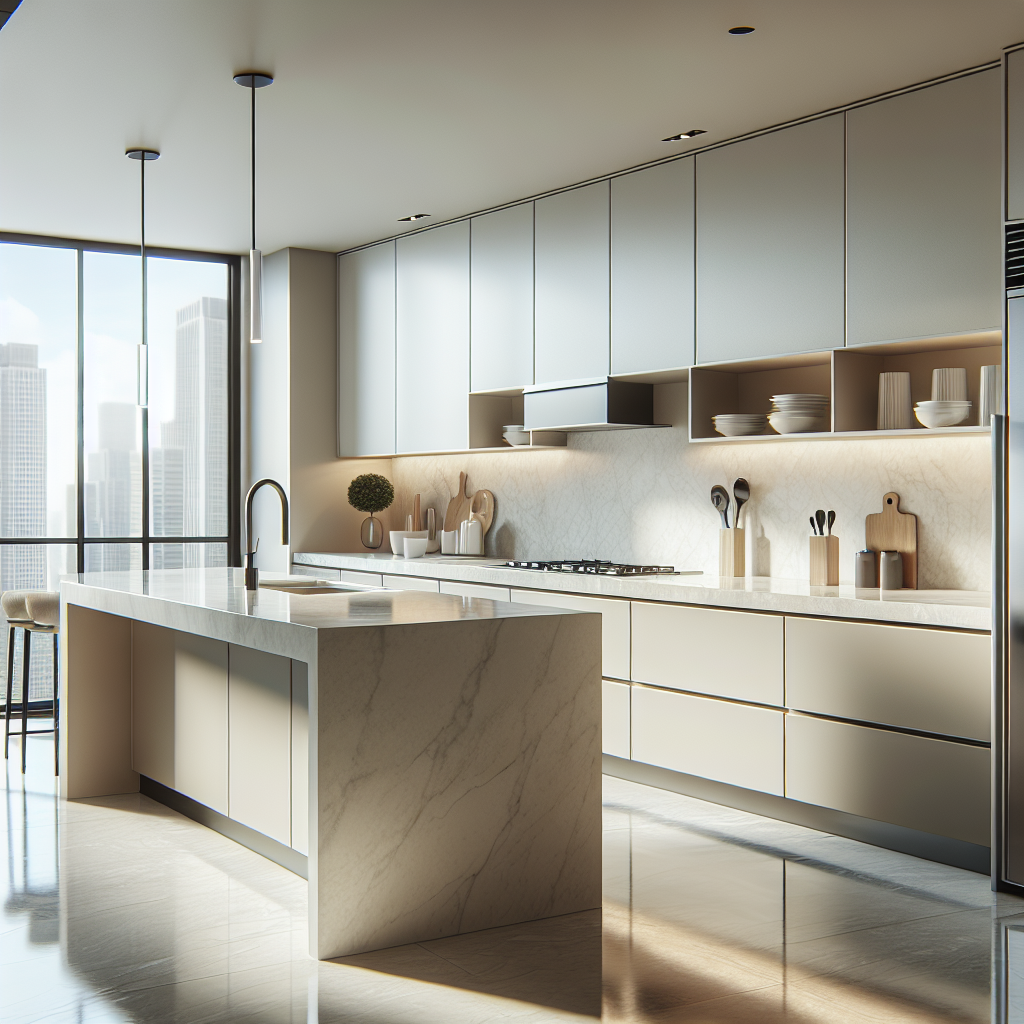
(471, 537)
(449, 542)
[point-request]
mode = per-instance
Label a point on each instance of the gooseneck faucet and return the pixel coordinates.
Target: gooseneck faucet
(252, 574)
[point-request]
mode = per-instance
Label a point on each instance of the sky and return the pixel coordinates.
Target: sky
(38, 305)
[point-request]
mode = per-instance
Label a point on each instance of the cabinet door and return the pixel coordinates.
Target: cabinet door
(501, 246)
(652, 268)
(411, 583)
(487, 590)
(770, 233)
(572, 324)
(433, 340)
(366, 351)
(615, 718)
(714, 739)
(924, 212)
(300, 757)
(1015, 135)
(367, 579)
(260, 735)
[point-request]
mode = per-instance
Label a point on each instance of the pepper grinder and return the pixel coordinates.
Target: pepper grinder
(892, 570)
(864, 570)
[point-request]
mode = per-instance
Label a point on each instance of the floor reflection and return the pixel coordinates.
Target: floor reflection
(119, 910)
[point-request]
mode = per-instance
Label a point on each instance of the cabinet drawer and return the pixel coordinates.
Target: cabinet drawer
(614, 624)
(690, 649)
(932, 785)
(410, 583)
(319, 572)
(487, 590)
(716, 739)
(927, 679)
(615, 718)
(367, 579)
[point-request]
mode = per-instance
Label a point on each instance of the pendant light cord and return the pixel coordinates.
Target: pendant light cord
(253, 136)
(142, 246)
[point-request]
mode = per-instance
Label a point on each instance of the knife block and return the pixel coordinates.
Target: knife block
(731, 547)
(825, 561)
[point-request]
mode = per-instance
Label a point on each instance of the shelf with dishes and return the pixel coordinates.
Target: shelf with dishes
(933, 387)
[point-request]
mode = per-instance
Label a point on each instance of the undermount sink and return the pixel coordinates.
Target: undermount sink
(315, 588)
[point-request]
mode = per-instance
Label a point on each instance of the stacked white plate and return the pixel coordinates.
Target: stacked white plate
(740, 424)
(799, 414)
(942, 414)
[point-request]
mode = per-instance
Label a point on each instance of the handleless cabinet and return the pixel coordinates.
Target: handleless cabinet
(485, 590)
(924, 212)
(770, 237)
(571, 250)
(615, 718)
(652, 268)
(501, 260)
(366, 351)
(410, 583)
(1015, 135)
(432, 331)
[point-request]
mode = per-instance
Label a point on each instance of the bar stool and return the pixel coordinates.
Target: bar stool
(34, 611)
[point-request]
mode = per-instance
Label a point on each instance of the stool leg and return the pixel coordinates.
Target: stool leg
(10, 687)
(56, 705)
(25, 665)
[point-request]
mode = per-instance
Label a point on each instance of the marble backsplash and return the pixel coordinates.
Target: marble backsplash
(643, 496)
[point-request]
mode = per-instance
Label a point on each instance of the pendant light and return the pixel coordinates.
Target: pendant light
(142, 352)
(253, 80)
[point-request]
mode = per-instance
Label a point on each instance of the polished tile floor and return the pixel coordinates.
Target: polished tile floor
(120, 910)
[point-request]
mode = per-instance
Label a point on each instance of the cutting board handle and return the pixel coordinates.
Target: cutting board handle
(891, 501)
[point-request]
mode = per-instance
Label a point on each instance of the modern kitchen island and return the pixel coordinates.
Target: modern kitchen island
(430, 762)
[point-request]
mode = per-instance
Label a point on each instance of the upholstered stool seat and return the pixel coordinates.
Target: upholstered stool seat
(43, 608)
(15, 606)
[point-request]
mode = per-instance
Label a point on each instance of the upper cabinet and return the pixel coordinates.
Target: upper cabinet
(432, 331)
(923, 206)
(652, 268)
(1015, 135)
(366, 351)
(770, 235)
(571, 253)
(502, 299)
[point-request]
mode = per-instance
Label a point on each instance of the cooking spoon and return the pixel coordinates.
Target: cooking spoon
(741, 492)
(820, 519)
(831, 521)
(720, 499)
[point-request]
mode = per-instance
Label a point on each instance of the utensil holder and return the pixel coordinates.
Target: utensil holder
(824, 561)
(731, 548)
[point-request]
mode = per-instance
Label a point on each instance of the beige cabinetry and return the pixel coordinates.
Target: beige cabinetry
(688, 648)
(180, 712)
(300, 757)
(259, 742)
(927, 784)
(615, 713)
(929, 680)
(716, 739)
(486, 590)
(614, 623)
(410, 583)
(366, 579)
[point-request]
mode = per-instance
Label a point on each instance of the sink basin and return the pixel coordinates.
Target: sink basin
(315, 588)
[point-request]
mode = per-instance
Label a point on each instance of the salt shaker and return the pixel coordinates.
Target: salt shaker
(892, 570)
(864, 570)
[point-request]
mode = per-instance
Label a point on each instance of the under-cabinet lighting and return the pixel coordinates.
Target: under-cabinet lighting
(683, 136)
(741, 30)
(413, 216)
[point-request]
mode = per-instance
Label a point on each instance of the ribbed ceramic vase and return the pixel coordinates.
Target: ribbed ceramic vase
(371, 533)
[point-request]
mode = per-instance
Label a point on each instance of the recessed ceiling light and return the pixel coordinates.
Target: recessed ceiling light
(682, 136)
(413, 216)
(741, 30)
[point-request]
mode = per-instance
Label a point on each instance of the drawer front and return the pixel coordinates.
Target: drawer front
(715, 739)
(486, 590)
(705, 650)
(366, 579)
(614, 623)
(411, 583)
(927, 679)
(932, 785)
(615, 718)
(320, 572)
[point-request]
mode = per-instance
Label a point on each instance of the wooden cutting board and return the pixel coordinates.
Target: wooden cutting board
(459, 507)
(482, 508)
(893, 530)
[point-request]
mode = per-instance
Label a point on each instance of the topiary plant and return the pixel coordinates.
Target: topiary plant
(371, 493)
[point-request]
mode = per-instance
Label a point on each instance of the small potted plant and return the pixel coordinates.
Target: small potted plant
(371, 492)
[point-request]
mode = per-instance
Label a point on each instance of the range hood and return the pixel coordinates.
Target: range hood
(595, 404)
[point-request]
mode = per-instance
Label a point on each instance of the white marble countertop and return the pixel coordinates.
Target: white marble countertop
(953, 609)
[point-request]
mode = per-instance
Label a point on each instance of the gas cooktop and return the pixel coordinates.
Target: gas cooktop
(595, 567)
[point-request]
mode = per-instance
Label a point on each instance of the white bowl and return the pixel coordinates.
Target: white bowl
(797, 422)
(739, 424)
(415, 547)
(517, 436)
(800, 399)
(942, 414)
(398, 539)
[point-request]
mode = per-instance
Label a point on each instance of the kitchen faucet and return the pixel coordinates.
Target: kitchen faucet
(252, 574)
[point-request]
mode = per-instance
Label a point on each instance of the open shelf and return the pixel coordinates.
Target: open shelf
(843, 435)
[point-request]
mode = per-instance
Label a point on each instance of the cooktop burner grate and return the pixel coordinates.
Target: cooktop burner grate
(595, 567)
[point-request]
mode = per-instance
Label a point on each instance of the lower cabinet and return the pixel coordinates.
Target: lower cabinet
(932, 785)
(411, 583)
(715, 739)
(320, 572)
(366, 579)
(300, 757)
(487, 590)
(615, 729)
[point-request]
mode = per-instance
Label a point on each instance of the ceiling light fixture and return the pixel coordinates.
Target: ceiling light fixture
(413, 216)
(741, 30)
(142, 352)
(253, 80)
(683, 136)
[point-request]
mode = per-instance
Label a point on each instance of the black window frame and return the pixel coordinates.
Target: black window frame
(233, 538)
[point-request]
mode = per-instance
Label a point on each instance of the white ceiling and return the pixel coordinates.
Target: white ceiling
(383, 108)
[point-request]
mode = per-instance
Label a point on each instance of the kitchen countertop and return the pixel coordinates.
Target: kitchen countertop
(952, 609)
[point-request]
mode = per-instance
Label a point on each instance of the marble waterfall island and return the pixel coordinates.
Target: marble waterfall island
(431, 763)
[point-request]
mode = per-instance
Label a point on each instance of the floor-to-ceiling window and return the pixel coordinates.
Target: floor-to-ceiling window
(89, 480)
